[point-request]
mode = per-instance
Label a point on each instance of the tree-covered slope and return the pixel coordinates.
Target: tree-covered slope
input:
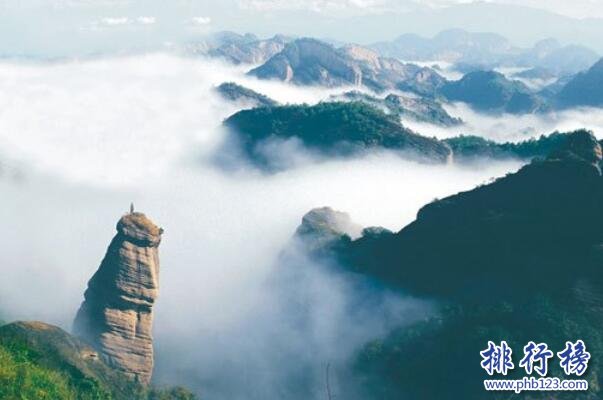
(421, 109)
(517, 260)
(332, 129)
(472, 147)
(40, 361)
(367, 123)
(234, 92)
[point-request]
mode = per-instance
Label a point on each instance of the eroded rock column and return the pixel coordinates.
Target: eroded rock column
(116, 316)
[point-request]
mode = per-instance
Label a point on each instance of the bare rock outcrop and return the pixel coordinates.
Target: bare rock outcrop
(116, 316)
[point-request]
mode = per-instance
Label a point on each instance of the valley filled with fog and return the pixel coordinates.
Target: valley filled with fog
(81, 139)
(89, 137)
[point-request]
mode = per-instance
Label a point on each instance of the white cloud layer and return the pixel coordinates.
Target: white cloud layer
(113, 21)
(101, 133)
(201, 20)
(146, 20)
(320, 6)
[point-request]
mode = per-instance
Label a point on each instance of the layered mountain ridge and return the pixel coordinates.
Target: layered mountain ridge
(312, 62)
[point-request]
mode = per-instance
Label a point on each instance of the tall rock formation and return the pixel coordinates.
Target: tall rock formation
(116, 316)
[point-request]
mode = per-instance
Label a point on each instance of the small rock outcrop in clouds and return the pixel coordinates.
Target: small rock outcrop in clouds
(324, 225)
(116, 316)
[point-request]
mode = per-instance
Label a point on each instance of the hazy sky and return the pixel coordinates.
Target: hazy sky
(56, 27)
(574, 8)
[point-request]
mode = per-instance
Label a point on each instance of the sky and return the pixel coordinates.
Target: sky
(67, 27)
(575, 8)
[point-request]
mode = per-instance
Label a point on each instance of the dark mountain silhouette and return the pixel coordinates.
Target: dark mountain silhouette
(332, 129)
(516, 260)
(452, 237)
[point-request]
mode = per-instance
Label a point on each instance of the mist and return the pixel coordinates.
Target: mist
(241, 312)
(512, 128)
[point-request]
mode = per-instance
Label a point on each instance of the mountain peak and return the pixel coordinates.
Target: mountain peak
(581, 145)
(138, 227)
(116, 316)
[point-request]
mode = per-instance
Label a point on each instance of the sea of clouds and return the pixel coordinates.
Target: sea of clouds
(90, 136)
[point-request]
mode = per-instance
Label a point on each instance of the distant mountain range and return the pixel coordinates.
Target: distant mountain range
(491, 91)
(488, 50)
(454, 45)
(313, 62)
(238, 49)
(542, 84)
(475, 50)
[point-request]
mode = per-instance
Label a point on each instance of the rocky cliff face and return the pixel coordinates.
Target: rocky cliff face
(312, 62)
(116, 316)
(251, 51)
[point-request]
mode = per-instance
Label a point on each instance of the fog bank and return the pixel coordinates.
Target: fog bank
(93, 136)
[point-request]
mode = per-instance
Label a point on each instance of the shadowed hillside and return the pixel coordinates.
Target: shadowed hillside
(516, 260)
